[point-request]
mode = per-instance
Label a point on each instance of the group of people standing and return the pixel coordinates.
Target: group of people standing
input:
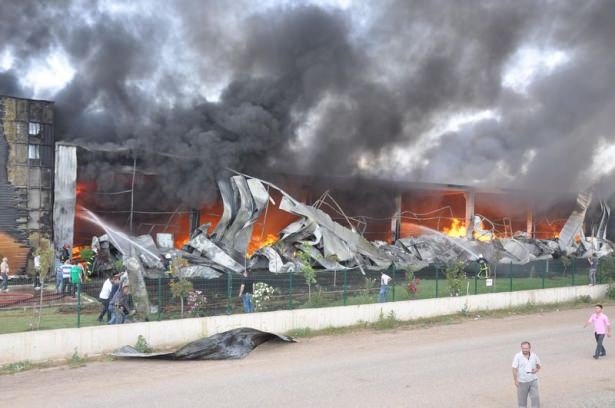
(526, 364)
(69, 274)
(69, 277)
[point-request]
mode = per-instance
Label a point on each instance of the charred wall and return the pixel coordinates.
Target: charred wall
(26, 176)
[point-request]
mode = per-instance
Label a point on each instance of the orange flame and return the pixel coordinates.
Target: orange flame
(457, 229)
(256, 244)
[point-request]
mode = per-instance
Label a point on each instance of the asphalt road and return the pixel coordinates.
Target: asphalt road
(456, 365)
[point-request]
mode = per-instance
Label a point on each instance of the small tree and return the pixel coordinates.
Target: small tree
(180, 289)
(87, 254)
(45, 256)
(309, 274)
(177, 264)
(456, 277)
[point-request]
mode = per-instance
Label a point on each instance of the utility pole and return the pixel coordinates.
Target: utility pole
(132, 189)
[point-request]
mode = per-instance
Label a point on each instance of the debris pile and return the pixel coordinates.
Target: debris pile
(328, 244)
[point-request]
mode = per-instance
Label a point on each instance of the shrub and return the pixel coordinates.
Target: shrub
(386, 322)
(413, 284)
(195, 303)
(262, 295)
(76, 360)
(142, 346)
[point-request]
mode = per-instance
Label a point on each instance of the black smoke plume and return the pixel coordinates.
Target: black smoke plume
(189, 88)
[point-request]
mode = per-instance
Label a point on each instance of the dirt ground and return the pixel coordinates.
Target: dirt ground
(457, 365)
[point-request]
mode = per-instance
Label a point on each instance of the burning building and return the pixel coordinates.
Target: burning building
(338, 222)
(370, 222)
(26, 177)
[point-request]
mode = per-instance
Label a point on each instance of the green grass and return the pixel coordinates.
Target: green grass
(20, 320)
(428, 289)
(16, 367)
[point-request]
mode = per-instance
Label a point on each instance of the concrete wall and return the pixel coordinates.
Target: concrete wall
(60, 344)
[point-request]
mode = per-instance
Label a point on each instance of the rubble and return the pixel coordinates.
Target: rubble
(330, 245)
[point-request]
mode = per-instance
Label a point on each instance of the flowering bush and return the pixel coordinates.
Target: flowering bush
(262, 295)
(413, 286)
(195, 302)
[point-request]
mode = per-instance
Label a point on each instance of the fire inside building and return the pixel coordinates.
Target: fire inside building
(261, 222)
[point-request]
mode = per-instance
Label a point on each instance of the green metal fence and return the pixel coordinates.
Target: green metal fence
(332, 288)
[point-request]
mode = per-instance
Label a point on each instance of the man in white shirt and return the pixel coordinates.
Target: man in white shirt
(525, 366)
(104, 295)
(384, 287)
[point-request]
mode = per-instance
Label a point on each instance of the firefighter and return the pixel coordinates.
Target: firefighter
(483, 267)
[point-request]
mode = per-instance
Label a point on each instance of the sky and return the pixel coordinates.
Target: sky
(512, 94)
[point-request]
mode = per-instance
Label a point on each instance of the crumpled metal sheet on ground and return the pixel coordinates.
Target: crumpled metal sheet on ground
(229, 345)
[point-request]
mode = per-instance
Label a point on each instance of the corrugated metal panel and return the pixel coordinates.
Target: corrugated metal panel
(64, 193)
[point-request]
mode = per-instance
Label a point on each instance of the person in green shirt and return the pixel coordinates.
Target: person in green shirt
(75, 277)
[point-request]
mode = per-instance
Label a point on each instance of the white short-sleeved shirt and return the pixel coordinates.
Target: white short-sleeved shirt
(525, 366)
(105, 292)
(385, 279)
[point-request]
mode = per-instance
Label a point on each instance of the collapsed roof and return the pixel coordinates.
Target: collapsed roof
(333, 246)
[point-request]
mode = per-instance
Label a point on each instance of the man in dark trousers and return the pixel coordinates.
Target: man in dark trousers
(246, 292)
(105, 297)
(602, 327)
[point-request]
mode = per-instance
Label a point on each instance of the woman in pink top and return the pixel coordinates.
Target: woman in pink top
(601, 327)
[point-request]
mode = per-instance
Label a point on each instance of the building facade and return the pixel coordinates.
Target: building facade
(26, 177)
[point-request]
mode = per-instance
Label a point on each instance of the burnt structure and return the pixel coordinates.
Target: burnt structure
(26, 177)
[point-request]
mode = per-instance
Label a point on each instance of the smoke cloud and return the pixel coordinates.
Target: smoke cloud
(190, 88)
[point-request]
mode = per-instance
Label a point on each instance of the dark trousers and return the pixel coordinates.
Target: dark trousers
(600, 351)
(65, 287)
(104, 309)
